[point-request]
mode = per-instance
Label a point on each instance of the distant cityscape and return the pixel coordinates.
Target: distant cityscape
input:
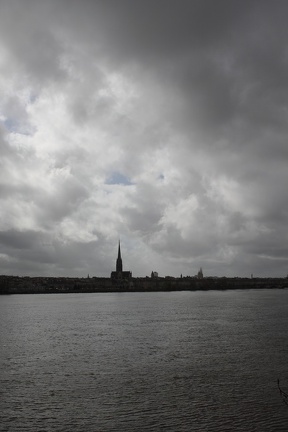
(122, 281)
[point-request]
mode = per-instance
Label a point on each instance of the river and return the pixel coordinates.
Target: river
(170, 361)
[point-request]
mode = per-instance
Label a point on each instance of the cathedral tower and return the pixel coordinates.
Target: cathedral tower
(119, 273)
(119, 267)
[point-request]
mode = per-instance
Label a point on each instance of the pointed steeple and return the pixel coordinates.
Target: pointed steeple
(119, 260)
(119, 274)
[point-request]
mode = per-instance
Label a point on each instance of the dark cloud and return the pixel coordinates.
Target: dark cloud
(34, 47)
(16, 239)
(160, 121)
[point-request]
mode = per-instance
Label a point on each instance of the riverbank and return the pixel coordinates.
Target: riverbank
(46, 285)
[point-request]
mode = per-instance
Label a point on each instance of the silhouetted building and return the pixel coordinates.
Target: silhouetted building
(200, 273)
(119, 266)
(119, 273)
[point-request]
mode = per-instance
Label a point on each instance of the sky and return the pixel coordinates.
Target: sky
(162, 123)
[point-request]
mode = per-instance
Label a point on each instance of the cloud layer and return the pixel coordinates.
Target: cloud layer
(163, 123)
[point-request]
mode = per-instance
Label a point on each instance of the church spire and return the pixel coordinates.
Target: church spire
(119, 274)
(119, 260)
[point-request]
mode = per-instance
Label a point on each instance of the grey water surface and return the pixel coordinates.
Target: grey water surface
(178, 361)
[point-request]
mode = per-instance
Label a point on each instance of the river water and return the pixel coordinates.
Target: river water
(178, 361)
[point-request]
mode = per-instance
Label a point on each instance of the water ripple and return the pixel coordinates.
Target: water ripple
(147, 362)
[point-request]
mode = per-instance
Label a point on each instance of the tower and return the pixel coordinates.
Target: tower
(200, 273)
(119, 266)
(119, 273)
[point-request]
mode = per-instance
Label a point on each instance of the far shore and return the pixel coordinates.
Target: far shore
(64, 285)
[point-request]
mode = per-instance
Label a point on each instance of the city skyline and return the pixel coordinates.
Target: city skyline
(161, 123)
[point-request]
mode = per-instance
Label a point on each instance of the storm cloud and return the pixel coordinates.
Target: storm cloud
(162, 123)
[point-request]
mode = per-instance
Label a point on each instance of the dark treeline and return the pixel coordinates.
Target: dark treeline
(41, 285)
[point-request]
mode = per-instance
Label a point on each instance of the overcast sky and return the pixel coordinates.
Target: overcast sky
(160, 122)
